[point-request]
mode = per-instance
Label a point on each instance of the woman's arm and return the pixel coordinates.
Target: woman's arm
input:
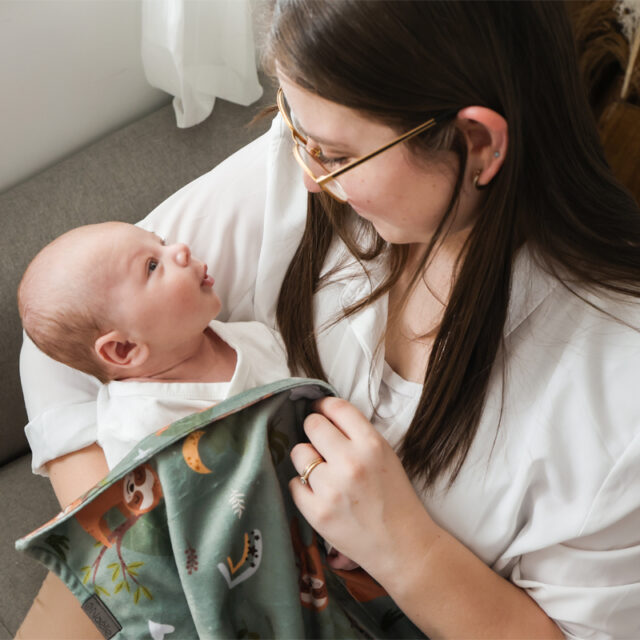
(75, 473)
(55, 612)
(442, 586)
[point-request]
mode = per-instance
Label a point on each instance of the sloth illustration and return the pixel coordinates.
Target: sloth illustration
(137, 493)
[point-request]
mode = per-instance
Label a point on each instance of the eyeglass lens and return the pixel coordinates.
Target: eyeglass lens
(318, 170)
(306, 158)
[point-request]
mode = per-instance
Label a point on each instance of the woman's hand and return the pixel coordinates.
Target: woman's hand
(360, 499)
(362, 502)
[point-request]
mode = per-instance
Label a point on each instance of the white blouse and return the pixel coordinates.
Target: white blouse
(397, 402)
(549, 495)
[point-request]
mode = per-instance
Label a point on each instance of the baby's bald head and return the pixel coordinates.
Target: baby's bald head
(59, 297)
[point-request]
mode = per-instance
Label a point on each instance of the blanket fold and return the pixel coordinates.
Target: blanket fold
(194, 535)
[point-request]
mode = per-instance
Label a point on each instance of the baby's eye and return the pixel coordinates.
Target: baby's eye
(151, 265)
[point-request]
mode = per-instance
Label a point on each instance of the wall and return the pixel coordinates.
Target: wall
(70, 72)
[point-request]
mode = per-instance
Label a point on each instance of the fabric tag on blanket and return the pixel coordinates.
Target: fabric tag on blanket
(100, 615)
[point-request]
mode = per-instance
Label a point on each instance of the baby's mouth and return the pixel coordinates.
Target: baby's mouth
(207, 280)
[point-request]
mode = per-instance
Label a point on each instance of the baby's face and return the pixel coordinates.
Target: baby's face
(156, 293)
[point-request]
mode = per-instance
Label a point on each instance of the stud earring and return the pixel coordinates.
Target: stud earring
(496, 154)
(475, 179)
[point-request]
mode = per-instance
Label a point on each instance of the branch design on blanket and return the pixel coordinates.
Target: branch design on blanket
(138, 493)
(236, 500)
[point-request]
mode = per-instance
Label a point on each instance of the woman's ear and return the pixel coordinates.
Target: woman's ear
(115, 350)
(487, 136)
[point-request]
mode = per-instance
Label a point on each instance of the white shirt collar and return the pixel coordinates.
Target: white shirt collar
(530, 283)
(530, 286)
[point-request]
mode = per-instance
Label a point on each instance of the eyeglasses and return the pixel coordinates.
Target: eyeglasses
(325, 179)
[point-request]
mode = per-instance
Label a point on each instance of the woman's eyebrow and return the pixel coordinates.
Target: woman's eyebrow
(320, 139)
(325, 141)
(329, 143)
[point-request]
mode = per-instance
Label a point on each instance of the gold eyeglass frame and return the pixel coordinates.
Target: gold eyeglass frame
(299, 139)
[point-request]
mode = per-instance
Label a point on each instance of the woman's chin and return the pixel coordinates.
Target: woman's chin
(389, 233)
(395, 236)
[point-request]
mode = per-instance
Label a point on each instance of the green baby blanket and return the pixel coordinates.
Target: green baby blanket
(195, 535)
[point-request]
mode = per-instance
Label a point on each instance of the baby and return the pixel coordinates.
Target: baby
(115, 301)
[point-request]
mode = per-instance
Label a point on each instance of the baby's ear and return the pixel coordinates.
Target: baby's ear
(115, 350)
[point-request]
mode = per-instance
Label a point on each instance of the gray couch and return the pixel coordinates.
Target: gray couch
(123, 176)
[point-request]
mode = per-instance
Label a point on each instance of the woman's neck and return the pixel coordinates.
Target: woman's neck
(440, 271)
(416, 310)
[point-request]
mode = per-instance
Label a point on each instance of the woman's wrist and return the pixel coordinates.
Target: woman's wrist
(404, 559)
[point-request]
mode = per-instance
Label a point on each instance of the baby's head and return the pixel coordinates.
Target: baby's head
(115, 301)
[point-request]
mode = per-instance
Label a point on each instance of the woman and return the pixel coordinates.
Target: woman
(468, 280)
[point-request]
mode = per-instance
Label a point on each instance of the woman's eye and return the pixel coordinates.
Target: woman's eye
(151, 265)
(331, 162)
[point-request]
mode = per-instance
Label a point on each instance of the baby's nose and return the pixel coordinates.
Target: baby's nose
(183, 255)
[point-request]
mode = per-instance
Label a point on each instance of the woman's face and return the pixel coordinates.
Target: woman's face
(402, 196)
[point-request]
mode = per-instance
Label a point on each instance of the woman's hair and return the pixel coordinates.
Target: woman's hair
(402, 62)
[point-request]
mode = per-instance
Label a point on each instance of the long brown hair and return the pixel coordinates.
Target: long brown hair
(402, 62)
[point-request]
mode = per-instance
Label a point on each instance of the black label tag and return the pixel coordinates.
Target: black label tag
(100, 615)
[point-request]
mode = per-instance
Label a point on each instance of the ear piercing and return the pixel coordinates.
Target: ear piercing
(496, 154)
(476, 175)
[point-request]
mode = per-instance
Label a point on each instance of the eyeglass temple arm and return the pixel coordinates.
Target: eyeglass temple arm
(412, 132)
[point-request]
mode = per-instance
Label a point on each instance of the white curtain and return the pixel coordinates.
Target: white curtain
(198, 50)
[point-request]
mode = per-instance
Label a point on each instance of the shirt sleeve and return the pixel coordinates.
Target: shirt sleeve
(60, 403)
(591, 585)
(221, 216)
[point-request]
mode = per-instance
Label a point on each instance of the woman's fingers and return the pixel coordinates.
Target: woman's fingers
(340, 435)
(334, 423)
(325, 436)
(307, 461)
(343, 415)
(311, 466)
(356, 493)
(303, 499)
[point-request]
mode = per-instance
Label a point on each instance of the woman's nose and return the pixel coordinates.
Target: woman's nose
(182, 254)
(310, 185)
